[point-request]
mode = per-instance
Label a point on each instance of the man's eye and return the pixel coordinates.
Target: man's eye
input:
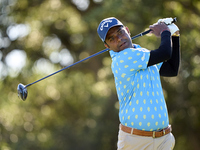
(111, 39)
(120, 32)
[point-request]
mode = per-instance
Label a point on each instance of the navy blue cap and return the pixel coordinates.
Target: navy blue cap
(105, 25)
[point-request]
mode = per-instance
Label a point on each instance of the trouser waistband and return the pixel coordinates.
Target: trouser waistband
(154, 134)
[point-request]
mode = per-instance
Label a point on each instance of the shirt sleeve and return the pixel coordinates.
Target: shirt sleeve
(170, 67)
(164, 51)
(129, 61)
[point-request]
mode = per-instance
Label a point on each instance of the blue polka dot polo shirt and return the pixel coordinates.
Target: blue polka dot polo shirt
(139, 90)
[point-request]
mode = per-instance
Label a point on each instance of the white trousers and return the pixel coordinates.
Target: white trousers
(127, 141)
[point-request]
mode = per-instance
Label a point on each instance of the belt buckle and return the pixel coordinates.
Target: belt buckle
(154, 133)
(163, 132)
(132, 131)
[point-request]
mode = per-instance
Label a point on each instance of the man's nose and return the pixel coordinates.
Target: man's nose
(118, 37)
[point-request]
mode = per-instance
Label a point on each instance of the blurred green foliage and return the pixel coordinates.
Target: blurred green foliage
(78, 108)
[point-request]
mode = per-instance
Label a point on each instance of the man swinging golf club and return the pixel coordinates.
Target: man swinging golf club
(143, 115)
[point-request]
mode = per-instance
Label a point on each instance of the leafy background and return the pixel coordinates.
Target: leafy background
(78, 108)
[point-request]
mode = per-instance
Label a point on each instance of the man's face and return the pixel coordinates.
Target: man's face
(118, 38)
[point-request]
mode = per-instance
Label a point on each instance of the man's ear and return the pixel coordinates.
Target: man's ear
(106, 45)
(127, 29)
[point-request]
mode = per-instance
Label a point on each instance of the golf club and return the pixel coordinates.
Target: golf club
(22, 89)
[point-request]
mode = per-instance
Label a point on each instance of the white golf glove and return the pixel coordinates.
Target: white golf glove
(168, 21)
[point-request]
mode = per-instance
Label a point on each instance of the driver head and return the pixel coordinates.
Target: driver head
(22, 91)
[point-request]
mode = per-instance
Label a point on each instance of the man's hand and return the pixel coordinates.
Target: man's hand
(168, 21)
(158, 28)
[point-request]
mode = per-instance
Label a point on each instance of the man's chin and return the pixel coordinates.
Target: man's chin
(119, 50)
(124, 46)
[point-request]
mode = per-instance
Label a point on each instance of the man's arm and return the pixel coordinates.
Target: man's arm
(171, 67)
(164, 52)
(169, 57)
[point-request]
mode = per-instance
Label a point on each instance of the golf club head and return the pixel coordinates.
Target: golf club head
(22, 91)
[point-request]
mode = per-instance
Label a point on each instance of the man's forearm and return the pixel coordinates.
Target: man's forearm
(164, 52)
(171, 66)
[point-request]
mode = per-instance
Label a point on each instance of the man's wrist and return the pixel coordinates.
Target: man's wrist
(164, 30)
(176, 34)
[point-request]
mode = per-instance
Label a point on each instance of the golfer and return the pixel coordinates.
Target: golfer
(143, 115)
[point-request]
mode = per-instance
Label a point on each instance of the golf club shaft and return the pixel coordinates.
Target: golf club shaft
(68, 66)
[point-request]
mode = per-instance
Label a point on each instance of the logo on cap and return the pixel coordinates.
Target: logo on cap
(104, 23)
